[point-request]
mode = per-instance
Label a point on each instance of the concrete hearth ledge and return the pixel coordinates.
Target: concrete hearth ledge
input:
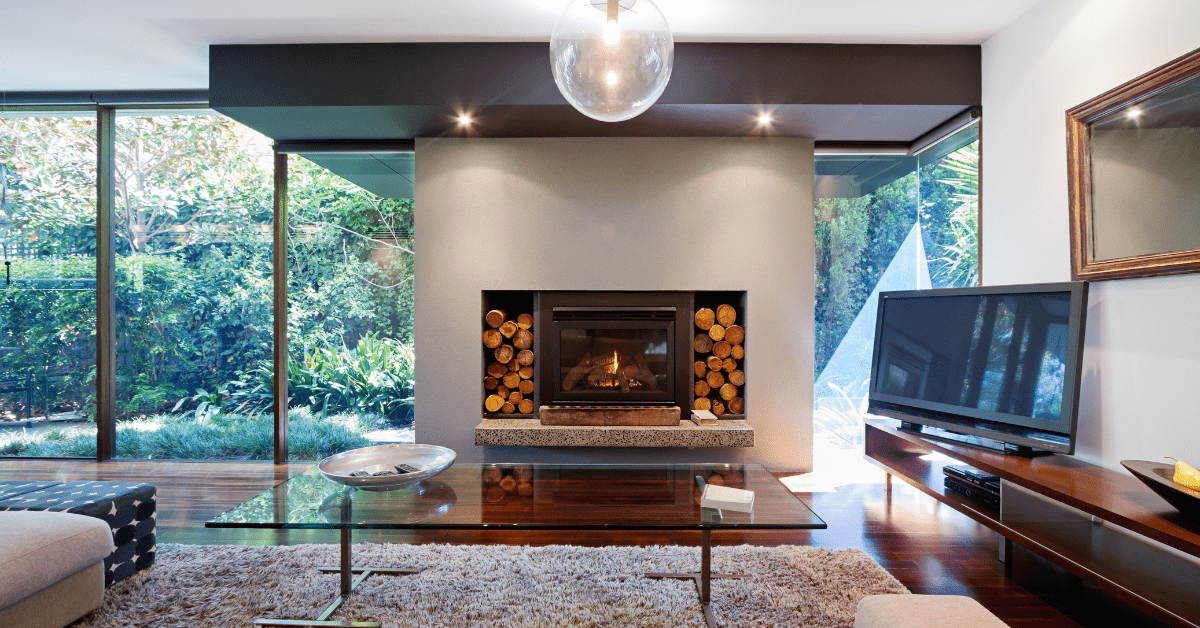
(531, 433)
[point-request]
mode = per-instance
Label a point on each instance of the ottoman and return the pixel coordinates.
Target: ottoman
(923, 611)
(128, 509)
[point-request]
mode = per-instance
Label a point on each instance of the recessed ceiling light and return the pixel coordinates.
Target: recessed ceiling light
(765, 119)
(1133, 112)
(464, 119)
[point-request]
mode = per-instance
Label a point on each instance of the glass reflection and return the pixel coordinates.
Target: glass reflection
(1145, 176)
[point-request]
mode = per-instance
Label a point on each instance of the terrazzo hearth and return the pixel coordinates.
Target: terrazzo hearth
(531, 433)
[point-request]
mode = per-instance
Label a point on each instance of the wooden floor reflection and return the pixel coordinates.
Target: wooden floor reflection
(927, 546)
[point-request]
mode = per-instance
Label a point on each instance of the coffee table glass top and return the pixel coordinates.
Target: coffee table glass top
(540, 496)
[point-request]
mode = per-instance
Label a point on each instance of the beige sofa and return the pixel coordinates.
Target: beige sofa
(52, 567)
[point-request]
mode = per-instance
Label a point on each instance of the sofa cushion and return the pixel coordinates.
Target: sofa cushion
(923, 611)
(38, 549)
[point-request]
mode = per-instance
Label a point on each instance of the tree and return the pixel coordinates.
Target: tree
(178, 174)
(48, 185)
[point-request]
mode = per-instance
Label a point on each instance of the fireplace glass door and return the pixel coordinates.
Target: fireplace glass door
(614, 357)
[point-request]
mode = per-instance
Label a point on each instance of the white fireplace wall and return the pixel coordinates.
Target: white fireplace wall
(616, 214)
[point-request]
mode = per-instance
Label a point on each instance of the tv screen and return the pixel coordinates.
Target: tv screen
(998, 365)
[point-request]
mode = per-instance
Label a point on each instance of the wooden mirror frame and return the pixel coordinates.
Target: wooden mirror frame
(1083, 267)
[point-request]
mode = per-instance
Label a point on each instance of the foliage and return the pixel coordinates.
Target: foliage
(856, 239)
(48, 185)
(958, 265)
(373, 378)
(240, 437)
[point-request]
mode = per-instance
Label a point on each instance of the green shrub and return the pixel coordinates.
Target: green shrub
(222, 436)
(373, 378)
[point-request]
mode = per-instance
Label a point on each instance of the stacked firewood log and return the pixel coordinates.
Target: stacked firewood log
(507, 482)
(719, 354)
(508, 384)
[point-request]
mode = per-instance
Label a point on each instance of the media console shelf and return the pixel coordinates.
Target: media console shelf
(1101, 525)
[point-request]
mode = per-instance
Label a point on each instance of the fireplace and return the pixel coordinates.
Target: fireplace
(615, 348)
(613, 355)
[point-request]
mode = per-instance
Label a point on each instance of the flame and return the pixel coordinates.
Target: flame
(615, 363)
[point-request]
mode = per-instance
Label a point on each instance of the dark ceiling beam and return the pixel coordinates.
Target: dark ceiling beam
(479, 74)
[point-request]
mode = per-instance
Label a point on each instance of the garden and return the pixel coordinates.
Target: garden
(193, 294)
(934, 208)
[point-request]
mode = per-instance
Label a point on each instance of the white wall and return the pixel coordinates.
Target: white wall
(617, 214)
(1142, 355)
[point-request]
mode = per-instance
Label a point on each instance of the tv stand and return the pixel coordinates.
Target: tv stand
(1101, 525)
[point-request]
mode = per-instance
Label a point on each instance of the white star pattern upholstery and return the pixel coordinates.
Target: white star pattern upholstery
(129, 509)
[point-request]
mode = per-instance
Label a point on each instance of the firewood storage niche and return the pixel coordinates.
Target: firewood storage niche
(628, 349)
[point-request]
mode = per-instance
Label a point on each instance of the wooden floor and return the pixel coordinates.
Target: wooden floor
(927, 546)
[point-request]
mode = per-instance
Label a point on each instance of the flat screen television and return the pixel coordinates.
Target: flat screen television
(996, 367)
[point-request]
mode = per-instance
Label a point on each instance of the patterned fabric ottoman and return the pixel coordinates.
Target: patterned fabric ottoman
(129, 509)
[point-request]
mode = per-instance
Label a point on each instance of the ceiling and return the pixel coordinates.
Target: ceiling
(61, 45)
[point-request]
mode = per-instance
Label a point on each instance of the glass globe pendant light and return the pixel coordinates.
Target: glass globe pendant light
(612, 58)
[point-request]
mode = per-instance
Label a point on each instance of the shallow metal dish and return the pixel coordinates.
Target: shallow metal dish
(1160, 478)
(430, 459)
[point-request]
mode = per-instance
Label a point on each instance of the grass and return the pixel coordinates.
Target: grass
(221, 436)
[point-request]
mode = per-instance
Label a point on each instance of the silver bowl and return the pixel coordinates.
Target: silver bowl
(429, 459)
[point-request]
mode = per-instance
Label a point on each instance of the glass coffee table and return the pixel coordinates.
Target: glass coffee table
(524, 497)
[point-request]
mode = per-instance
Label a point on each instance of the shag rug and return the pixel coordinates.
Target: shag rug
(495, 586)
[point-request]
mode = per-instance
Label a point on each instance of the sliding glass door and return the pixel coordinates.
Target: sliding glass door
(48, 285)
(193, 317)
(350, 373)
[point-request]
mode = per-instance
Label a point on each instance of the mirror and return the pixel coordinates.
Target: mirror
(1133, 157)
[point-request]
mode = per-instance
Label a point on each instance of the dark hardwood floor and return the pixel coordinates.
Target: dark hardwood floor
(929, 547)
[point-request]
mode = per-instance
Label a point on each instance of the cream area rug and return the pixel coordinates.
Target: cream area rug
(495, 586)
